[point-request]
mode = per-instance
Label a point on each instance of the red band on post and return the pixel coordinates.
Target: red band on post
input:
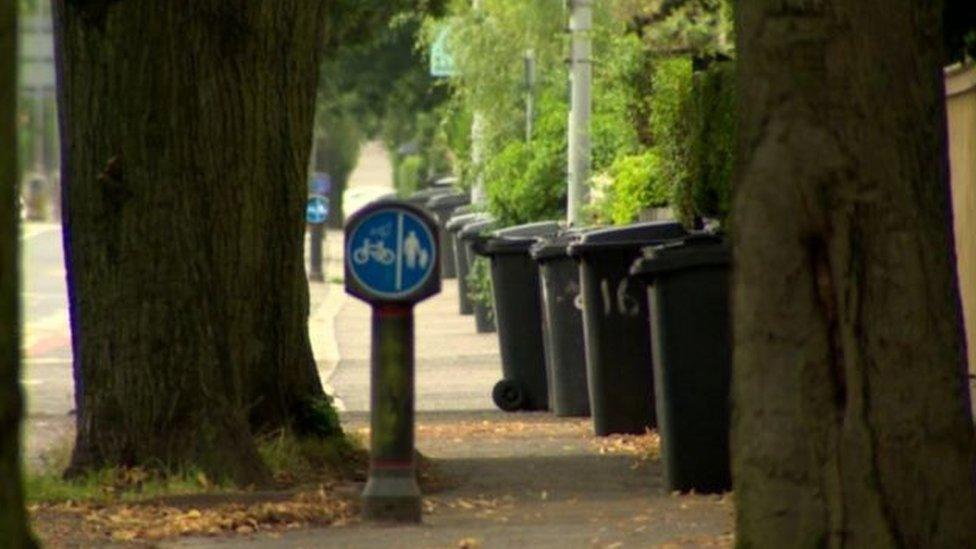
(394, 310)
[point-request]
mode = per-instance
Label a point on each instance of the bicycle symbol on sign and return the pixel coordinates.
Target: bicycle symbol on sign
(377, 252)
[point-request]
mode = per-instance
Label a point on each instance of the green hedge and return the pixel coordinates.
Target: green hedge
(692, 131)
(409, 176)
(637, 184)
(711, 143)
(526, 182)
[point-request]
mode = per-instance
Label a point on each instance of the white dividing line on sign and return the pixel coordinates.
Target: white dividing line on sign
(399, 252)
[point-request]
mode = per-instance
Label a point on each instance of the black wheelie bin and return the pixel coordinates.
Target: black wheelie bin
(443, 207)
(518, 315)
(461, 265)
(421, 197)
(618, 346)
(688, 296)
(562, 315)
(476, 232)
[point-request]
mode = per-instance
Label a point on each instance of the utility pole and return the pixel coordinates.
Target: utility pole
(580, 25)
(478, 196)
(529, 93)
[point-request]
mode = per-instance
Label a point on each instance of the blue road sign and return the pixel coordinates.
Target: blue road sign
(317, 209)
(321, 183)
(391, 252)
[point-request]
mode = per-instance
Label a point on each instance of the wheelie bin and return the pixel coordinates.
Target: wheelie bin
(461, 265)
(484, 316)
(421, 197)
(563, 325)
(688, 296)
(518, 315)
(618, 346)
(443, 207)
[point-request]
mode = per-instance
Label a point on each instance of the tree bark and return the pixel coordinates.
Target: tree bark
(14, 531)
(851, 407)
(186, 133)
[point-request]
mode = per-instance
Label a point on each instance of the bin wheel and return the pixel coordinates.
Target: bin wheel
(508, 395)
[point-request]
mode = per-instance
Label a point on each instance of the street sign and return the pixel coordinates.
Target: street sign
(392, 263)
(317, 209)
(391, 253)
(441, 59)
(321, 183)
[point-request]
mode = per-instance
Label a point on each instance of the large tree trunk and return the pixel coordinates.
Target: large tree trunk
(13, 519)
(186, 132)
(851, 421)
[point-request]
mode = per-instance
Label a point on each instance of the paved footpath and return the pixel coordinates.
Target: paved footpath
(508, 480)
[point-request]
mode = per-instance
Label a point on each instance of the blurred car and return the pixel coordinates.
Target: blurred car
(355, 198)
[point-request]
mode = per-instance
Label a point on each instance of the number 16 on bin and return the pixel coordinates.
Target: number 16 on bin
(391, 253)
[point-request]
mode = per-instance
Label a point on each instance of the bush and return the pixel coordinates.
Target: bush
(526, 182)
(707, 190)
(635, 183)
(636, 180)
(669, 124)
(409, 174)
(479, 284)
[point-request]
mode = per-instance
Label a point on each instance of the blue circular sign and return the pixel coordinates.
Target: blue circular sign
(321, 183)
(391, 252)
(317, 209)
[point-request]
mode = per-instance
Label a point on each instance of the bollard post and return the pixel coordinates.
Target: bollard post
(392, 492)
(315, 243)
(392, 262)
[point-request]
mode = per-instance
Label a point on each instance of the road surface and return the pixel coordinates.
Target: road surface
(46, 344)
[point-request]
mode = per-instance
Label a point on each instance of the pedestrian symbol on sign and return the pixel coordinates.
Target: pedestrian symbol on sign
(413, 253)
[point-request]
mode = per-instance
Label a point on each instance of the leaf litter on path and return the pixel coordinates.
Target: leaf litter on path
(122, 522)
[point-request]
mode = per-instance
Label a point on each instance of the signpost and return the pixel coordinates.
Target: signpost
(392, 263)
(316, 214)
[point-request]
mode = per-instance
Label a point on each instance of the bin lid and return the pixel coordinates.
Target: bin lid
(555, 247)
(520, 238)
(458, 222)
(421, 197)
(696, 250)
(476, 228)
(450, 200)
(628, 236)
(446, 181)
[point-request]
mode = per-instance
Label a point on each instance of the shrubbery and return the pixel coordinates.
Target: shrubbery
(659, 136)
(633, 183)
(409, 176)
(526, 181)
(711, 141)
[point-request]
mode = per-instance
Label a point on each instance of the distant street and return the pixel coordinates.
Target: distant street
(47, 334)
(46, 346)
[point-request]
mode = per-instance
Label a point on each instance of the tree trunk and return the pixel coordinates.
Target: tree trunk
(851, 422)
(186, 133)
(13, 520)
